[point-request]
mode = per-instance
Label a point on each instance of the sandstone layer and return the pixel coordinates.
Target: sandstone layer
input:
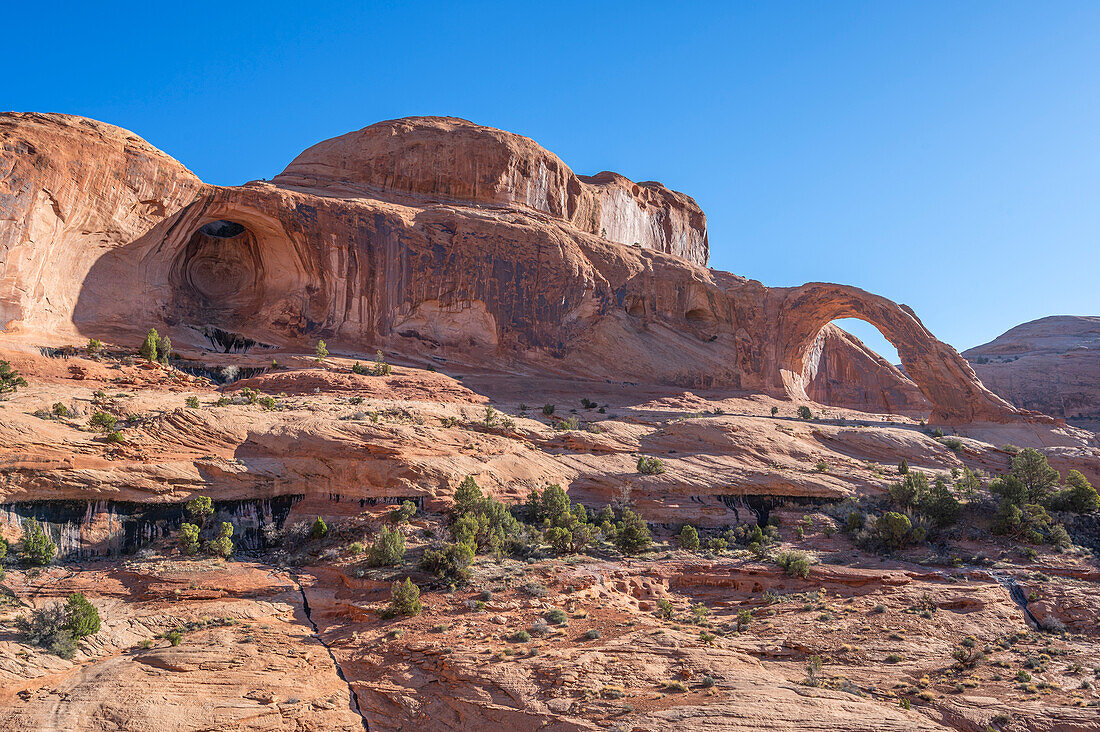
(1051, 365)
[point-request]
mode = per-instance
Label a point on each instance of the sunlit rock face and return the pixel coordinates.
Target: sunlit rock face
(1051, 365)
(427, 236)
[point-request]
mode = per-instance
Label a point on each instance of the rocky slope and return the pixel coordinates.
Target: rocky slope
(1051, 365)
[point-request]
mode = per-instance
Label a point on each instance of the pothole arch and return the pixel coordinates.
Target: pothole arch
(241, 271)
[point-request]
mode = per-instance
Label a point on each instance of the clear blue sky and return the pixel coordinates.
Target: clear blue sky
(944, 154)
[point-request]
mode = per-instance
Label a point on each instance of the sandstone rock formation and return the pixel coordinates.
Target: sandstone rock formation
(1051, 365)
(491, 295)
(450, 159)
(71, 191)
(842, 371)
(357, 243)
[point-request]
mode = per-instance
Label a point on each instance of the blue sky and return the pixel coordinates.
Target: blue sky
(944, 154)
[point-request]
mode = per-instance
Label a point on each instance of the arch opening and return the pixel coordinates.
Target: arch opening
(223, 229)
(860, 372)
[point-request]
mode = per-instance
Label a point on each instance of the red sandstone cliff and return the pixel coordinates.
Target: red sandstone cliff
(429, 237)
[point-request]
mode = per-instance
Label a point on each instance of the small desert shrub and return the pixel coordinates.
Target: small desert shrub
(814, 671)
(556, 616)
(521, 637)
(664, 609)
(388, 549)
(189, 538)
(193, 402)
(535, 589)
(450, 562)
(319, 528)
(805, 413)
(632, 533)
(592, 634)
(37, 549)
(58, 627)
(381, 368)
(706, 682)
(650, 465)
(675, 687)
(222, 544)
(404, 599)
(540, 628)
(565, 425)
(198, 509)
(689, 538)
(103, 421)
(795, 564)
(403, 513)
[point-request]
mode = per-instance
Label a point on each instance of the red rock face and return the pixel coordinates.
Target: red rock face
(72, 190)
(426, 237)
(420, 159)
(841, 371)
(1051, 364)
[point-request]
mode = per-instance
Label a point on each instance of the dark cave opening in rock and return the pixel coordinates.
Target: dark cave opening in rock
(698, 315)
(223, 229)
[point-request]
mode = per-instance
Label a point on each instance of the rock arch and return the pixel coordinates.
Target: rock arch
(234, 265)
(942, 375)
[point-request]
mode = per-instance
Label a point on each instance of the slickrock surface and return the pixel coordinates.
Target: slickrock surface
(250, 660)
(1051, 365)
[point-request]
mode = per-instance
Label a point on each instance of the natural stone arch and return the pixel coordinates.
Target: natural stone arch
(942, 375)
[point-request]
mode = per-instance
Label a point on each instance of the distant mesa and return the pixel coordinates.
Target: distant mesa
(1051, 365)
